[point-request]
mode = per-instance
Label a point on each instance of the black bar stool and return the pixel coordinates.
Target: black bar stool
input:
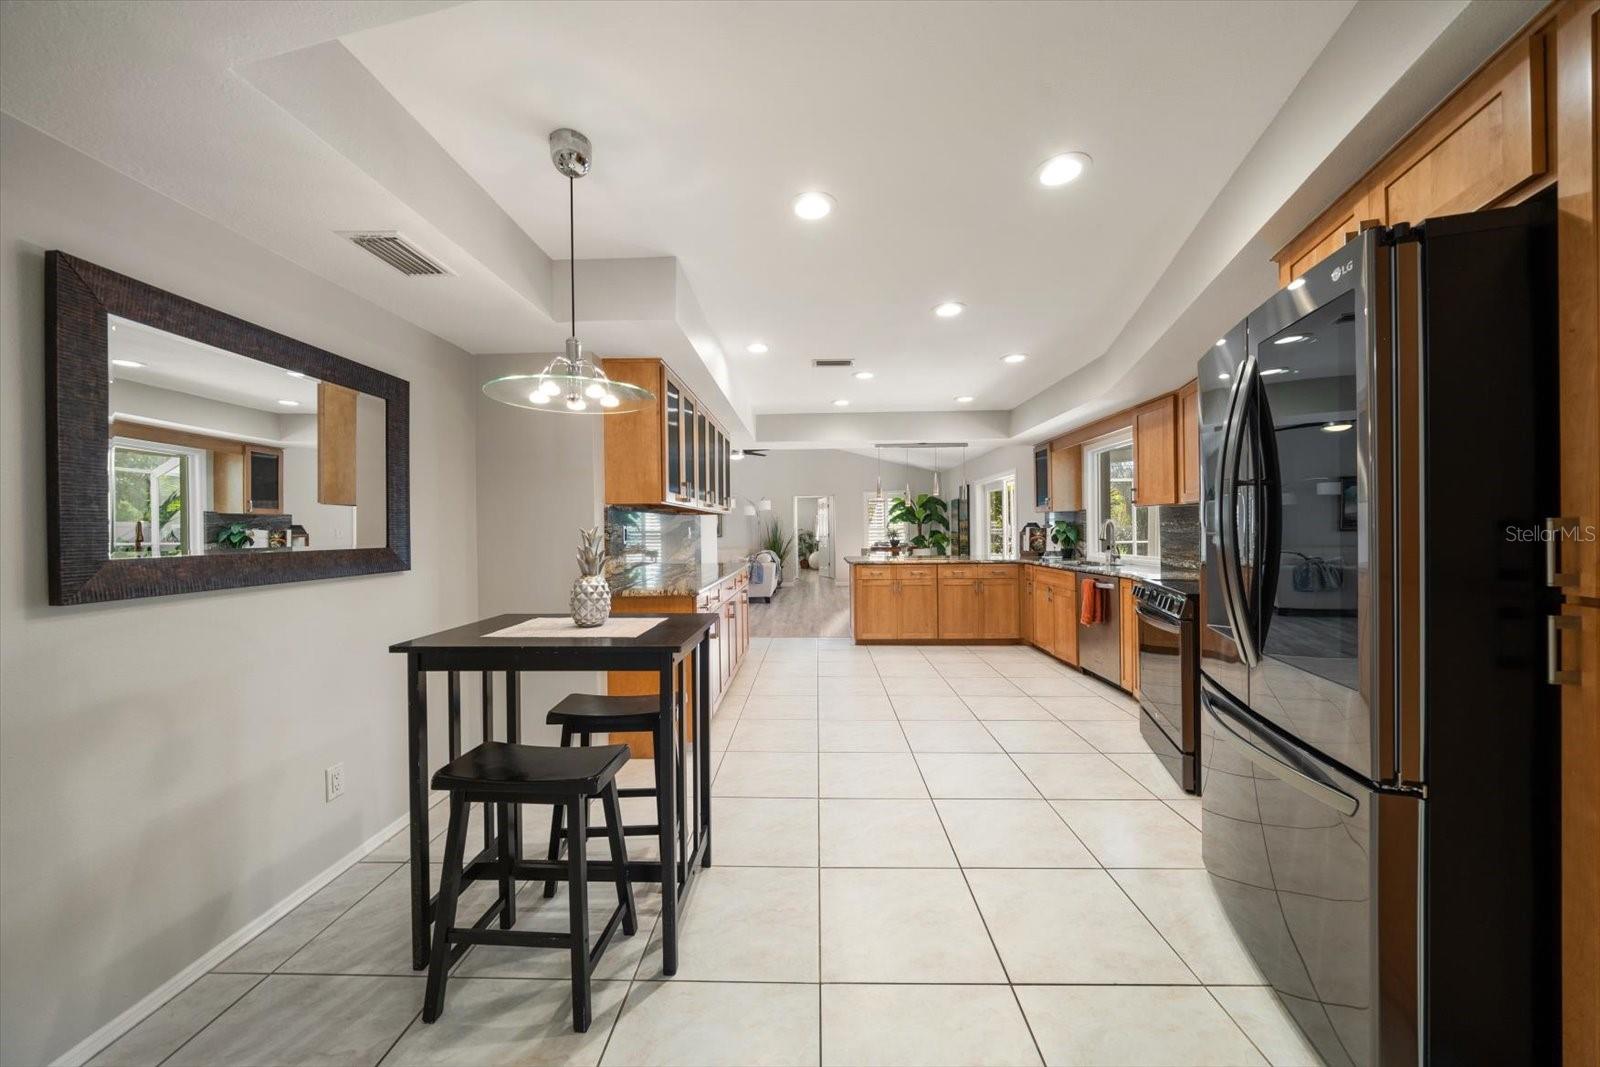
(581, 716)
(506, 775)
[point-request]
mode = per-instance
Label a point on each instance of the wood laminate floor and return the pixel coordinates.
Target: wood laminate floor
(805, 606)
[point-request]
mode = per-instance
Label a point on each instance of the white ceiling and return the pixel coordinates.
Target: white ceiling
(925, 122)
(289, 123)
(185, 366)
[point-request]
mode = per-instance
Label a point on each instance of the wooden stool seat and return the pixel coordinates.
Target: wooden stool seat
(531, 771)
(592, 713)
(507, 774)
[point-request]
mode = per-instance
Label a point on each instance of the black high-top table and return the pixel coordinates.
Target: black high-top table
(685, 820)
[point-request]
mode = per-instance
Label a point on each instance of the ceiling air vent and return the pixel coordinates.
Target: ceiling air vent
(397, 251)
(833, 363)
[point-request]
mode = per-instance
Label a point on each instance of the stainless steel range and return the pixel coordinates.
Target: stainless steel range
(1169, 676)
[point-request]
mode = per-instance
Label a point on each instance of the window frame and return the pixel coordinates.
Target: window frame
(869, 506)
(1094, 517)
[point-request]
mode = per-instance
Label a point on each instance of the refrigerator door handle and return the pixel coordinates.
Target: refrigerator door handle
(1232, 563)
(1322, 792)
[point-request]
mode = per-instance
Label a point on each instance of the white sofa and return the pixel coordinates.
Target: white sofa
(771, 575)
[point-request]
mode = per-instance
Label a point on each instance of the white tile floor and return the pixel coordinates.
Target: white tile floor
(928, 855)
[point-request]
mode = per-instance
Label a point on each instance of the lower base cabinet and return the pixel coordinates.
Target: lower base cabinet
(730, 599)
(981, 602)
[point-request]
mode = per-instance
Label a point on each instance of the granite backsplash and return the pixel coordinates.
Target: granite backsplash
(635, 536)
(1180, 538)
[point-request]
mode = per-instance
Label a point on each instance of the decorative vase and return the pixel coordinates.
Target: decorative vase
(591, 600)
(591, 593)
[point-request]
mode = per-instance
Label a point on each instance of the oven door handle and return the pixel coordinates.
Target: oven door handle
(1160, 622)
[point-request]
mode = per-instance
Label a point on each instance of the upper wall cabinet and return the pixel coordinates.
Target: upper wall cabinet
(1155, 452)
(1486, 145)
(670, 454)
(1189, 444)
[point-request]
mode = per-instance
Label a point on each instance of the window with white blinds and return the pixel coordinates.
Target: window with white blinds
(878, 527)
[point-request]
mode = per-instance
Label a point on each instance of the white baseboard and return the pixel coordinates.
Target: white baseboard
(91, 1046)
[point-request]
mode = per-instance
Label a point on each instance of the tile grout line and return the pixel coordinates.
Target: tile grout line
(973, 896)
(229, 1007)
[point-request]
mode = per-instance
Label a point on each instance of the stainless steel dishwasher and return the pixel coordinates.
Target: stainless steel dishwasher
(1099, 643)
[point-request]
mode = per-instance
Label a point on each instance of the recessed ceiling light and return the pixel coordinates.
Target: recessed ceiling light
(1059, 170)
(1291, 339)
(1270, 371)
(295, 374)
(1336, 427)
(1296, 284)
(756, 348)
(1224, 376)
(841, 403)
(290, 403)
(949, 309)
(963, 400)
(864, 375)
(126, 363)
(813, 206)
(1015, 357)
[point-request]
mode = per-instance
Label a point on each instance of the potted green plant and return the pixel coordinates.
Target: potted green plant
(234, 535)
(1064, 535)
(806, 541)
(923, 511)
(773, 541)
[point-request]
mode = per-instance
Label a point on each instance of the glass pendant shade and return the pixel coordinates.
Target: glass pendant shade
(571, 384)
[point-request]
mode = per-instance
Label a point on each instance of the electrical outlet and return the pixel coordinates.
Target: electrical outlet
(335, 781)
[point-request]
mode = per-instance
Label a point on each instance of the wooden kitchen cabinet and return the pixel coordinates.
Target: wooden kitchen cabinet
(960, 605)
(894, 602)
(1025, 605)
(1155, 452)
(670, 454)
(1066, 477)
(1129, 636)
(1041, 478)
(1043, 610)
(1485, 146)
(1064, 601)
(1189, 443)
(998, 596)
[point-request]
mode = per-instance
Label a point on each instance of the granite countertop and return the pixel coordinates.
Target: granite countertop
(669, 579)
(1125, 570)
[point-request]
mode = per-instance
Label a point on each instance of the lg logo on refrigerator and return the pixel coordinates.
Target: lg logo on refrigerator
(1349, 265)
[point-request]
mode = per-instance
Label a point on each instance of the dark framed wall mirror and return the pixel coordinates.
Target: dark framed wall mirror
(190, 450)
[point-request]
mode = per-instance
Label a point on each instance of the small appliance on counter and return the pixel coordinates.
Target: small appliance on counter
(1033, 542)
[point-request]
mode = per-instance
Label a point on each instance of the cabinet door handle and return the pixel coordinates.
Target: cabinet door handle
(1552, 552)
(1554, 624)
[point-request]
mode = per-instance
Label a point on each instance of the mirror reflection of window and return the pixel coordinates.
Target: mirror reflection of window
(213, 452)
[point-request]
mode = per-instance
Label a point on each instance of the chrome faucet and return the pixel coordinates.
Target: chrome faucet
(1108, 541)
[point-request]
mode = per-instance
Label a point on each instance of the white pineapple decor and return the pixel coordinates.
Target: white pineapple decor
(591, 593)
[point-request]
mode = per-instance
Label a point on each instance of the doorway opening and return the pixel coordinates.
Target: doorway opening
(995, 518)
(813, 534)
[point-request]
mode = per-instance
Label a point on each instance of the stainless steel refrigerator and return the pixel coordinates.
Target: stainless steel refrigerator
(1378, 453)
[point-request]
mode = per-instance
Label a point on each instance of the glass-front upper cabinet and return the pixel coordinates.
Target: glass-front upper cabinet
(674, 439)
(1041, 479)
(702, 480)
(691, 481)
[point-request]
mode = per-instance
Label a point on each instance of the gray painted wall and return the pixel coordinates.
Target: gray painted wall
(161, 761)
(785, 474)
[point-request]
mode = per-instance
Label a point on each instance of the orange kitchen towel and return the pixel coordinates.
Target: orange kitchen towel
(1092, 611)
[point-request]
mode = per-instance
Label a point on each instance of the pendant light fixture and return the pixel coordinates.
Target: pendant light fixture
(878, 450)
(572, 383)
(905, 455)
(936, 472)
